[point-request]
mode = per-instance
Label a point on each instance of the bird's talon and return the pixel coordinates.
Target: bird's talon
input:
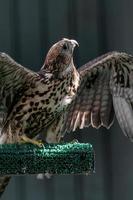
(74, 141)
(25, 139)
(39, 143)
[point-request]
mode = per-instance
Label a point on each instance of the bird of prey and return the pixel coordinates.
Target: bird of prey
(60, 98)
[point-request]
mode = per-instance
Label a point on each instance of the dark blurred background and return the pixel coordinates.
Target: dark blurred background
(27, 29)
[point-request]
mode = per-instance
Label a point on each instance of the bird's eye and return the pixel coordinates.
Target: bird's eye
(64, 47)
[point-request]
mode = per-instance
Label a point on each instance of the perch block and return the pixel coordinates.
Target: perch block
(19, 159)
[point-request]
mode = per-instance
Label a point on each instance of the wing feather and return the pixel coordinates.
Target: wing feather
(106, 85)
(14, 80)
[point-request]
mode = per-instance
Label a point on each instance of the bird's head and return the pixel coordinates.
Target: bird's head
(60, 56)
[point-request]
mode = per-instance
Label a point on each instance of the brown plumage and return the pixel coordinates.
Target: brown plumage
(30, 102)
(60, 99)
(105, 86)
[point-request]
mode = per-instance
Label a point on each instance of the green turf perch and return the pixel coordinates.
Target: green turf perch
(76, 158)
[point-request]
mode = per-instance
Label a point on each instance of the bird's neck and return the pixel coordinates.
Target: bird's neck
(59, 72)
(68, 70)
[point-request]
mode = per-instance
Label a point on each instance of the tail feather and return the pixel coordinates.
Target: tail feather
(124, 115)
(4, 180)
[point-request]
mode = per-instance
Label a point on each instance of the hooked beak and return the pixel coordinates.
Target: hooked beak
(74, 43)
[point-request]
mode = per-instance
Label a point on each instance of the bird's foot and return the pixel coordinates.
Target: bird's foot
(74, 141)
(71, 142)
(25, 139)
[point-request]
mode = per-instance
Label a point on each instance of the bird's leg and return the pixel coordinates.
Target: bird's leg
(53, 135)
(25, 139)
(54, 131)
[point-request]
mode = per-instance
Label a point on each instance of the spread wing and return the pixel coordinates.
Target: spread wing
(106, 86)
(14, 80)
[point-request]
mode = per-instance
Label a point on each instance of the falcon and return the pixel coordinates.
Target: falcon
(60, 98)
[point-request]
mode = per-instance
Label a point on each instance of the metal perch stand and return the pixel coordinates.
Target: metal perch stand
(70, 158)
